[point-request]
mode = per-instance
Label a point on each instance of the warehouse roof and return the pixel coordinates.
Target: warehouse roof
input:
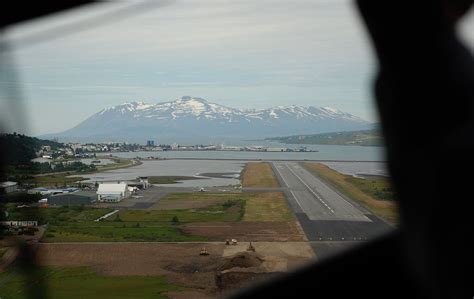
(111, 188)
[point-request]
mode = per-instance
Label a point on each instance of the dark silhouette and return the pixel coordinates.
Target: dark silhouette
(424, 67)
(425, 95)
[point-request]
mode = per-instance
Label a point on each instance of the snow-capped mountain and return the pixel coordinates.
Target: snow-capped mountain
(191, 117)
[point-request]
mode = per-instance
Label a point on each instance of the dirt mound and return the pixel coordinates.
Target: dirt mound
(242, 260)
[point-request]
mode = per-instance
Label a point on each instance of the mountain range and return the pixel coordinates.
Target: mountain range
(192, 118)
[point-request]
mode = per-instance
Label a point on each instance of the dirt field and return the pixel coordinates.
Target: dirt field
(180, 263)
(289, 231)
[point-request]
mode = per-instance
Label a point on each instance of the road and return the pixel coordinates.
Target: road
(330, 221)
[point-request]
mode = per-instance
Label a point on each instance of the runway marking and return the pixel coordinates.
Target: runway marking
(284, 181)
(310, 190)
(294, 196)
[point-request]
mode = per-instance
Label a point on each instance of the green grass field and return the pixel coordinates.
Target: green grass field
(76, 223)
(56, 215)
(214, 213)
(257, 206)
(80, 282)
(376, 186)
(108, 231)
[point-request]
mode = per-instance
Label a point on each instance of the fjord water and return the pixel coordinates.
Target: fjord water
(351, 160)
(324, 153)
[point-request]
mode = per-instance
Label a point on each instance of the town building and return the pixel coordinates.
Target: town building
(112, 192)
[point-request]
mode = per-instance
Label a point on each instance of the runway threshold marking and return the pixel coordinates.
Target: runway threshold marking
(311, 190)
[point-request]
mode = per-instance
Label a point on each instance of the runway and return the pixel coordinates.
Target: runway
(324, 213)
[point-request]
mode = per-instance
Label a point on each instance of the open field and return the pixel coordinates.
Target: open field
(109, 231)
(258, 175)
(229, 211)
(81, 282)
(169, 179)
(246, 231)
(378, 187)
(119, 163)
(53, 180)
(258, 206)
(193, 200)
(363, 193)
(267, 206)
(175, 270)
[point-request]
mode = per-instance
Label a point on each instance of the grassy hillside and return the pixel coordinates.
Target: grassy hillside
(365, 137)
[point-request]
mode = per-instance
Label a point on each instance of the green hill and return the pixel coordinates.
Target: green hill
(366, 138)
(19, 149)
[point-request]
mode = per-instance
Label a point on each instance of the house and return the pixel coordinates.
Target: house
(8, 187)
(112, 192)
(47, 191)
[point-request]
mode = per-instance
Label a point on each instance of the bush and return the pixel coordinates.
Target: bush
(175, 220)
(229, 204)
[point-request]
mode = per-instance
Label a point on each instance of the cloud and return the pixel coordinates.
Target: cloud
(244, 53)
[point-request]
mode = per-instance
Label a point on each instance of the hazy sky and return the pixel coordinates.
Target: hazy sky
(246, 54)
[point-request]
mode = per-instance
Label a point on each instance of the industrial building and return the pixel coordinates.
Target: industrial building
(71, 199)
(8, 187)
(112, 192)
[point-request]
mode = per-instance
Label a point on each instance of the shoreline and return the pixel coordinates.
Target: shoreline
(258, 159)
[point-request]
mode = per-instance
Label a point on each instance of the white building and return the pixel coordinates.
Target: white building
(18, 223)
(110, 192)
(7, 187)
